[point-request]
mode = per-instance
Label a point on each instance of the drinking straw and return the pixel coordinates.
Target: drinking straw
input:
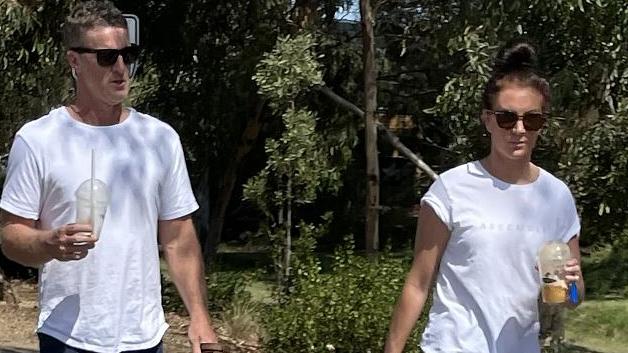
(92, 211)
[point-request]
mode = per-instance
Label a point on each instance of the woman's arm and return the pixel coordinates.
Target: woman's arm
(574, 271)
(431, 239)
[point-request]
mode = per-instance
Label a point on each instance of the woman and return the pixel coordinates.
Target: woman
(482, 224)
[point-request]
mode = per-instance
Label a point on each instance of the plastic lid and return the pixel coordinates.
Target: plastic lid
(553, 251)
(101, 193)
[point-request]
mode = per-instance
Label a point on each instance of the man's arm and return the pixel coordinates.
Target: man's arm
(29, 246)
(185, 266)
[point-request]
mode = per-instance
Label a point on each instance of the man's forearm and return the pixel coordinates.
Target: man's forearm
(186, 269)
(24, 245)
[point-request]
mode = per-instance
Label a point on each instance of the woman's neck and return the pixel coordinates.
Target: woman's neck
(511, 171)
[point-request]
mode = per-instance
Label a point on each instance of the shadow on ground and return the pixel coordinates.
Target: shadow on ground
(16, 350)
(569, 348)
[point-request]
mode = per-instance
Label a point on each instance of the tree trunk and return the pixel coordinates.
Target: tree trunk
(370, 99)
(288, 250)
(279, 260)
(230, 176)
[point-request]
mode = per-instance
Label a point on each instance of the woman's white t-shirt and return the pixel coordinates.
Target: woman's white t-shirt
(485, 300)
(110, 301)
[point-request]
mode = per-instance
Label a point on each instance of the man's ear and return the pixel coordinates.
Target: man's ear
(72, 59)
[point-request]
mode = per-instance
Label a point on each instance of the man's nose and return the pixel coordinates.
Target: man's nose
(119, 65)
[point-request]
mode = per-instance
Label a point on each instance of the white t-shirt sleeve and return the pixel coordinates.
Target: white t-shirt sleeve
(176, 198)
(21, 194)
(571, 223)
(438, 199)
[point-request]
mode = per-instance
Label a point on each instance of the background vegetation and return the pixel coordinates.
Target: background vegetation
(275, 161)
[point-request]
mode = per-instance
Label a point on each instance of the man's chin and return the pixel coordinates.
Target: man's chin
(117, 99)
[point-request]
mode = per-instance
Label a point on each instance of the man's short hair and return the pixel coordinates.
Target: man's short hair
(88, 15)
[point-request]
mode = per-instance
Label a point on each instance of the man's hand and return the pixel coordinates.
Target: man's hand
(200, 331)
(69, 242)
(185, 265)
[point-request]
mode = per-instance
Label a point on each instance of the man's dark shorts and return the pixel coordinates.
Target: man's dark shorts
(48, 344)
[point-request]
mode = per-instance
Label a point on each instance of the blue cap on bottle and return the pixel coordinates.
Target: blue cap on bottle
(573, 293)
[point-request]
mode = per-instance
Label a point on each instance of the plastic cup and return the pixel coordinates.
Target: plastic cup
(553, 257)
(92, 199)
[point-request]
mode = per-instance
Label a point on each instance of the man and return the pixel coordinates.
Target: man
(101, 292)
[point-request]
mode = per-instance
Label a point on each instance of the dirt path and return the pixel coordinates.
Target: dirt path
(18, 330)
(18, 323)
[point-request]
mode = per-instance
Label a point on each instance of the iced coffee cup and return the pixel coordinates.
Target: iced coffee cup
(553, 257)
(92, 199)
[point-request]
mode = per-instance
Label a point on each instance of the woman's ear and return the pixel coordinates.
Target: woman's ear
(485, 120)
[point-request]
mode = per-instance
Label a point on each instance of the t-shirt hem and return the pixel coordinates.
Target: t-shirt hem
(573, 231)
(427, 349)
(439, 210)
(179, 213)
(13, 209)
(95, 348)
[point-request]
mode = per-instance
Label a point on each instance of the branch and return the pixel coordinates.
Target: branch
(340, 101)
(389, 136)
(405, 151)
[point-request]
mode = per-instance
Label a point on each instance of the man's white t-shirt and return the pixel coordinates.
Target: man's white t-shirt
(485, 300)
(110, 301)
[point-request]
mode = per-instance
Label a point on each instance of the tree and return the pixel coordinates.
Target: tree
(34, 75)
(205, 58)
(298, 165)
(370, 99)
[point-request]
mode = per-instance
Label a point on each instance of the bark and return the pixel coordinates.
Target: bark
(288, 250)
(388, 135)
(230, 176)
(370, 99)
(305, 13)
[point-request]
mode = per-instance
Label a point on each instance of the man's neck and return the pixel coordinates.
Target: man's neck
(98, 114)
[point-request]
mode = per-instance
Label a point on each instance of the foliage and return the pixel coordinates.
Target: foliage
(240, 319)
(34, 75)
(596, 165)
(347, 309)
(223, 288)
(298, 165)
(288, 69)
(585, 61)
(606, 270)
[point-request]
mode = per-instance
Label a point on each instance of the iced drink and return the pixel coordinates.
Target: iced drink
(92, 199)
(553, 257)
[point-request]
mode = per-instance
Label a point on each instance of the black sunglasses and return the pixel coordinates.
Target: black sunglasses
(532, 121)
(108, 57)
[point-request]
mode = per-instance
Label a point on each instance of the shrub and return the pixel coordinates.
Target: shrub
(347, 309)
(222, 289)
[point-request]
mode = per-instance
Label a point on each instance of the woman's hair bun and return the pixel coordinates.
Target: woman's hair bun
(516, 56)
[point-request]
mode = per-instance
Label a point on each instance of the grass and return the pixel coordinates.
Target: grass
(600, 325)
(601, 322)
